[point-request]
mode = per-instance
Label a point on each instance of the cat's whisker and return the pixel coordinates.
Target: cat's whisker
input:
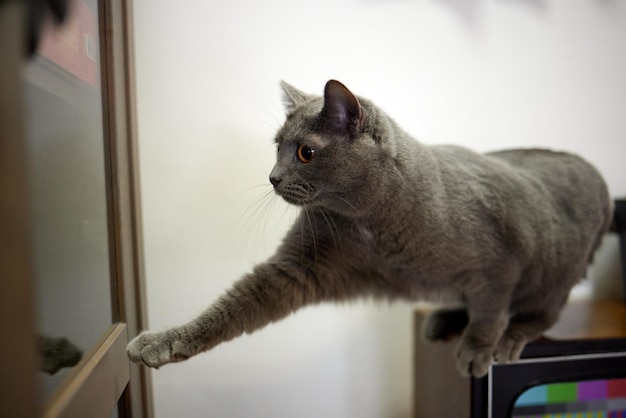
(343, 199)
(255, 210)
(258, 205)
(286, 209)
(301, 237)
(257, 186)
(332, 230)
(313, 233)
(277, 122)
(268, 209)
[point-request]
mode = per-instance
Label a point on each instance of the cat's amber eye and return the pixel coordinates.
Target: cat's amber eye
(305, 153)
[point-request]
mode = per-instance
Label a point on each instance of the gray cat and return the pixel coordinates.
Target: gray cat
(501, 237)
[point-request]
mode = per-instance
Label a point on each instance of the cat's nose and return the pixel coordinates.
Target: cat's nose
(275, 180)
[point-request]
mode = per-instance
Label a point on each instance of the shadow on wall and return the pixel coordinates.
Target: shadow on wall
(468, 11)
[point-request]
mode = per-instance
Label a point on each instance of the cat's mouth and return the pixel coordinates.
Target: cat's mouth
(297, 202)
(296, 195)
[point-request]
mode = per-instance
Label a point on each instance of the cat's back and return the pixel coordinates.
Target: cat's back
(560, 172)
(565, 179)
(544, 161)
(527, 190)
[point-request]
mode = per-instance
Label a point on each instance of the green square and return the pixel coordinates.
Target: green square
(562, 392)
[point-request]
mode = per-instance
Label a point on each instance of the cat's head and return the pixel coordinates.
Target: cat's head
(329, 150)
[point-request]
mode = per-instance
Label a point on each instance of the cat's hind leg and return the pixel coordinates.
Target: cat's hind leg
(533, 315)
(488, 307)
(522, 329)
(476, 348)
(445, 324)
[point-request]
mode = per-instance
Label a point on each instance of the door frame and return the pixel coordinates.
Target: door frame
(104, 379)
(18, 392)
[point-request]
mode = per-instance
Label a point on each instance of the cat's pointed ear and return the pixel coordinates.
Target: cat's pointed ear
(292, 97)
(342, 110)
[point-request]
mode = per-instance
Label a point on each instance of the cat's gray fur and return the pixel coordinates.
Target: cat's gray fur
(503, 235)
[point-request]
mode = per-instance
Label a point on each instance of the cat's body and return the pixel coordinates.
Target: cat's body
(503, 236)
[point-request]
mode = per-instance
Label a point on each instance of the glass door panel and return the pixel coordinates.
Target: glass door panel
(68, 192)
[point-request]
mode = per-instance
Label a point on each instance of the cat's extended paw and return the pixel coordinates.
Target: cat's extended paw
(473, 359)
(156, 349)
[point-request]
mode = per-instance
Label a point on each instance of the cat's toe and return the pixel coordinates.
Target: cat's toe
(473, 361)
(510, 347)
(150, 349)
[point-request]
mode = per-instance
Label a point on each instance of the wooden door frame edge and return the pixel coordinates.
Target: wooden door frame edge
(96, 383)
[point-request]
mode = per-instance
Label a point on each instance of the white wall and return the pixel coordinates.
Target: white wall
(484, 74)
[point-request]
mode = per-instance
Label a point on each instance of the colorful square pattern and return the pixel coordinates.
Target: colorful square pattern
(587, 399)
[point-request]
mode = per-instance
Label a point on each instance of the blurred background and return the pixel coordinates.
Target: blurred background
(485, 74)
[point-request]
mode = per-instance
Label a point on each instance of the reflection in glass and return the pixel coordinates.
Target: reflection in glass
(64, 122)
(588, 398)
(57, 353)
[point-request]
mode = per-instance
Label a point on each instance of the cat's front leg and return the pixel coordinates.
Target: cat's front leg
(271, 292)
(488, 318)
